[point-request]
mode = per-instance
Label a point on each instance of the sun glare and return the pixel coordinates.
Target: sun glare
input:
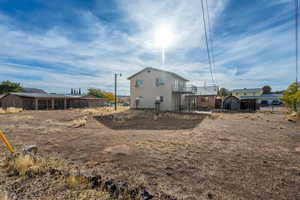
(164, 36)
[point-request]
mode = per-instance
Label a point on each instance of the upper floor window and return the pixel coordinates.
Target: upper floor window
(139, 83)
(159, 82)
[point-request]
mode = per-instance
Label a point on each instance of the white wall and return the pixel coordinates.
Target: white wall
(148, 91)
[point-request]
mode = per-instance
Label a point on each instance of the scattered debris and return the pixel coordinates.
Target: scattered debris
(79, 122)
(31, 149)
(122, 149)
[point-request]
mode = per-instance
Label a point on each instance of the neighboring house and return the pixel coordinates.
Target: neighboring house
(265, 98)
(37, 101)
(206, 97)
(247, 92)
(232, 103)
(150, 86)
(1, 95)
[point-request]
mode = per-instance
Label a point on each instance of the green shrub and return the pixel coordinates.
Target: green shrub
(291, 96)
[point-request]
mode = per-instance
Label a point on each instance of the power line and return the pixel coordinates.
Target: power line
(206, 41)
(211, 41)
(296, 32)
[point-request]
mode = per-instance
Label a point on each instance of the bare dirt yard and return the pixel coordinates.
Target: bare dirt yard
(218, 156)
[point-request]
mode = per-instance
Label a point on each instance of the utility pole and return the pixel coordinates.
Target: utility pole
(116, 76)
(296, 27)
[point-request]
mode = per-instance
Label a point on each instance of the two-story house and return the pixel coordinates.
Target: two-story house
(151, 86)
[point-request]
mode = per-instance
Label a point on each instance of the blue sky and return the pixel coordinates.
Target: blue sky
(61, 44)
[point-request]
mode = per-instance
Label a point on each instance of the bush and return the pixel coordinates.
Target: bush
(291, 97)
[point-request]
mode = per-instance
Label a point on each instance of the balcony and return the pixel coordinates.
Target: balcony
(184, 89)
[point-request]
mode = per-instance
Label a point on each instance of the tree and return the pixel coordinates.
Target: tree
(8, 86)
(223, 92)
(101, 94)
(291, 96)
(266, 89)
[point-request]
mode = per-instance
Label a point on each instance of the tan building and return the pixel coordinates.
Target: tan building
(151, 87)
(40, 101)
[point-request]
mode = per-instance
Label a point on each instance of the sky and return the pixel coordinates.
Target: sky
(62, 44)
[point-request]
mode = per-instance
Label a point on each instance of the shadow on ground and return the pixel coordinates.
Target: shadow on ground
(149, 120)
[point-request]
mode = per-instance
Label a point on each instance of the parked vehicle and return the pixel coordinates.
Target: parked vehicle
(276, 102)
(264, 103)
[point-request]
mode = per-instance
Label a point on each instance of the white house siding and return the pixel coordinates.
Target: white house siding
(148, 91)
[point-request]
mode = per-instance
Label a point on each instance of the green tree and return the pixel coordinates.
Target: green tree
(266, 89)
(8, 86)
(291, 96)
(96, 92)
(101, 94)
(223, 92)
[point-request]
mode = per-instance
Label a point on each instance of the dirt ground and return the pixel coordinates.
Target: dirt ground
(218, 156)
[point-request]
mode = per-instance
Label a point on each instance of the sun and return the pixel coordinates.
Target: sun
(164, 36)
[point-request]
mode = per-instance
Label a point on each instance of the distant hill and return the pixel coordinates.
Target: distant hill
(34, 90)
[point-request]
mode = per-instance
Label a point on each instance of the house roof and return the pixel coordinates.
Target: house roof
(42, 95)
(34, 90)
(160, 70)
(263, 96)
(207, 90)
(247, 90)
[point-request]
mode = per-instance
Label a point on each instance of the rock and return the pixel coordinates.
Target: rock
(111, 187)
(31, 149)
(145, 195)
(167, 197)
(133, 193)
(122, 186)
(209, 195)
(95, 180)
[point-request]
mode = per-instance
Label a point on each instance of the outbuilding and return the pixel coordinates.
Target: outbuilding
(45, 101)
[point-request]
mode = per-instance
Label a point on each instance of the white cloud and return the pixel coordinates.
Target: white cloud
(248, 59)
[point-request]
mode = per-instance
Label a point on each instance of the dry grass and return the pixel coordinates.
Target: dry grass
(23, 163)
(3, 195)
(74, 181)
(102, 110)
(79, 122)
(10, 110)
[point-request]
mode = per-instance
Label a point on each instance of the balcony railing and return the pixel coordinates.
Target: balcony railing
(188, 89)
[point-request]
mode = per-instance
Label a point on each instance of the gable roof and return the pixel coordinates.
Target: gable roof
(160, 70)
(2, 95)
(42, 95)
(247, 90)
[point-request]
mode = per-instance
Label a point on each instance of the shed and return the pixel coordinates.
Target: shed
(231, 103)
(38, 101)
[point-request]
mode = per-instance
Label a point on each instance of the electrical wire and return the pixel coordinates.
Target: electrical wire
(296, 36)
(211, 42)
(206, 41)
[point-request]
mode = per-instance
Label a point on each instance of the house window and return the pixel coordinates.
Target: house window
(139, 83)
(161, 98)
(159, 82)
